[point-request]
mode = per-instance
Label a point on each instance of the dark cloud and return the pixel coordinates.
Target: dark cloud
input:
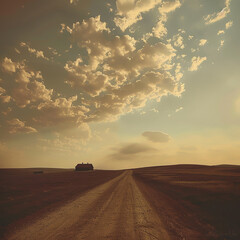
(131, 150)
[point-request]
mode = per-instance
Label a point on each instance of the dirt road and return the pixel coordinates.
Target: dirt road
(114, 210)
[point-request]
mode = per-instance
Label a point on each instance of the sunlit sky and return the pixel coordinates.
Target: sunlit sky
(119, 83)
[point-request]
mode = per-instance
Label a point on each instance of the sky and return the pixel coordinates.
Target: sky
(119, 83)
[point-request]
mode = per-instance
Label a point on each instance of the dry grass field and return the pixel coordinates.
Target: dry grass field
(25, 195)
(181, 202)
(194, 202)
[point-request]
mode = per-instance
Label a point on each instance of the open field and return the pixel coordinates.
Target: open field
(179, 202)
(194, 202)
(25, 195)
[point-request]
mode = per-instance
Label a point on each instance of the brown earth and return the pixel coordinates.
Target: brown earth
(194, 202)
(25, 196)
(169, 202)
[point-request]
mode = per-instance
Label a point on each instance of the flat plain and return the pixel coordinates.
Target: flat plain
(166, 202)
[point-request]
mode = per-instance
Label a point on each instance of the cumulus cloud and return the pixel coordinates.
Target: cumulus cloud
(28, 89)
(178, 73)
(5, 98)
(229, 24)
(221, 44)
(37, 53)
(152, 85)
(93, 35)
(215, 17)
(17, 126)
(220, 32)
(2, 91)
(73, 1)
(60, 111)
(156, 137)
(202, 42)
(196, 62)
(167, 6)
(129, 11)
(160, 30)
(8, 65)
(116, 77)
(178, 41)
(27, 86)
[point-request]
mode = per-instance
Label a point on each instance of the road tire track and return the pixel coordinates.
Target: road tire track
(115, 210)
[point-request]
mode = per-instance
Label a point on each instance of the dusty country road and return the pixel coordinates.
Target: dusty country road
(114, 210)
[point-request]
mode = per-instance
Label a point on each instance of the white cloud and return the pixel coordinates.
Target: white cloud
(215, 17)
(229, 24)
(73, 1)
(178, 73)
(5, 98)
(17, 126)
(179, 109)
(8, 65)
(160, 30)
(220, 32)
(37, 53)
(202, 42)
(28, 90)
(178, 41)
(169, 6)
(129, 11)
(221, 44)
(196, 62)
(60, 111)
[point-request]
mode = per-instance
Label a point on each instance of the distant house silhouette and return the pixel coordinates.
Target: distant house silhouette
(84, 167)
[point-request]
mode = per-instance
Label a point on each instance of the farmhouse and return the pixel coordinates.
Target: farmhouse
(84, 167)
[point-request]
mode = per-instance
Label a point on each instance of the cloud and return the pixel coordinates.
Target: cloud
(37, 53)
(67, 140)
(152, 85)
(196, 62)
(215, 17)
(229, 24)
(169, 6)
(220, 32)
(202, 42)
(156, 137)
(129, 11)
(29, 90)
(5, 98)
(60, 111)
(8, 65)
(27, 85)
(93, 35)
(178, 41)
(117, 77)
(221, 44)
(130, 151)
(179, 109)
(160, 30)
(134, 148)
(73, 1)
(17, 126)
(2, 91)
